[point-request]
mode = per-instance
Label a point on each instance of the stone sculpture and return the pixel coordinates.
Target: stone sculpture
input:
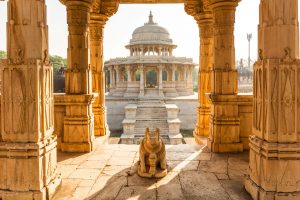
(152, 156)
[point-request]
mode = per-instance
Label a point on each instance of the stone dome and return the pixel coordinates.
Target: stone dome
(151, 33)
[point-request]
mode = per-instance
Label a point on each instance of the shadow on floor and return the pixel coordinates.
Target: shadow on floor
(194, 173)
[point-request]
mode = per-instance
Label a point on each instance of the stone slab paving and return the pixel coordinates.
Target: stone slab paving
(109, 173)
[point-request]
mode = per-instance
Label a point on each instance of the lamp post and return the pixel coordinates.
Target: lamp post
(249, 37)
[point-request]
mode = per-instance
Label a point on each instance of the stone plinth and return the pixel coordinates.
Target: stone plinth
(274, 170)
(78, 133)
(231, 122)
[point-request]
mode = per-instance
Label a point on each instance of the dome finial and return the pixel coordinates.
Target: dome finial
(150, 18)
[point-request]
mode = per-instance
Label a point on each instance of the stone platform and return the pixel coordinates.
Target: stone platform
(194, 173)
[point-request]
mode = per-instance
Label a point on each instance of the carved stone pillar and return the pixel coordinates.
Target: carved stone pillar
(224, 133)
(184, 73)
(274, 171)
(173, 72)
(128, 71)
(79, 120)
(97, 23)
(117, 68)
(160, 81)
(28, 161)
(205, 24)
(142, 81)
(111, 77)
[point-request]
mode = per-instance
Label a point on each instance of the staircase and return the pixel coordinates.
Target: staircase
(152, 114)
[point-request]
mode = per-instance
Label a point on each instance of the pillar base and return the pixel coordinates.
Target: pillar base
(224, 148)
(258, 193)
(29, 170)
(77, 147)
(43, 194)
(78, 124)
(273, 170)
(198, 138)
(202, 127)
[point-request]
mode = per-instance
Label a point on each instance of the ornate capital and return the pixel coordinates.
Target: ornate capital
(105, 7)
(200, 10)
(223, 3)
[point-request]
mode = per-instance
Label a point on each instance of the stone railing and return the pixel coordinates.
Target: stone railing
(133, 84)
(181, 84)
(168, 84)
(245, 109)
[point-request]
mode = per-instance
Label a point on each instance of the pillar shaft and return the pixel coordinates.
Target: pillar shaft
(142, 83)
(96, 56)
(117, 74)
(111, 76)
(173, 72)
(160, 81)
(28, 161)
(224, 131)
(128, 71)
(275, 143)
(205, 23)
(79, 120)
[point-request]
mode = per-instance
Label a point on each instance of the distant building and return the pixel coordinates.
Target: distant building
(151, 87)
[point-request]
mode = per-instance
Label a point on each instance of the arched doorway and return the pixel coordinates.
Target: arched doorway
(151, 79)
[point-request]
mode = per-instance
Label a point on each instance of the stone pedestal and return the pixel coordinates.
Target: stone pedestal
(28, 162)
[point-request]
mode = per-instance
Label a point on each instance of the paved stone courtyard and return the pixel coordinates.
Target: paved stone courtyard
(109, 172)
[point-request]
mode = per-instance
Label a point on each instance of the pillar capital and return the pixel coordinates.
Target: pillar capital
(213, 4)
(141, 67)
(160, 67)
(128, 67)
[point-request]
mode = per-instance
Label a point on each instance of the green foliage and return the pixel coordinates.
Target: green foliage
(151, 78)
(57, 62)
(2, 55)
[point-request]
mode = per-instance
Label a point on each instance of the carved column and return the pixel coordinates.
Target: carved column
(111, 77)
(224, 133)
(117, 68)
(274, 171)
(128, 71)
(79, 120)
(96, 26)
(142, 83)
(160, 82)
(184, 73)
(205, 24)
(28, 161)
(173, 72)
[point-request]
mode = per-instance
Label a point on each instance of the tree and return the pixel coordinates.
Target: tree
(2, 55)
(57, 62)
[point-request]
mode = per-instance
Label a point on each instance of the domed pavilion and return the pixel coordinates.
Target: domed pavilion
(148, 88)
(151, 70)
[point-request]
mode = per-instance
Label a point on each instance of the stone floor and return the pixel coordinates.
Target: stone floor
(194, 173)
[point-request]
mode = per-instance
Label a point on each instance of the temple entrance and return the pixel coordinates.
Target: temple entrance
(151, 79)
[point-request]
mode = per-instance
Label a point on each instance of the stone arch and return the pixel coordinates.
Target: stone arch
(151, 79)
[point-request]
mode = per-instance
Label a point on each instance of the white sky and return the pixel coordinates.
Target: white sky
(182, 27)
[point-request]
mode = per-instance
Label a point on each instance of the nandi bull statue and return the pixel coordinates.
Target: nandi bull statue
(152, 155)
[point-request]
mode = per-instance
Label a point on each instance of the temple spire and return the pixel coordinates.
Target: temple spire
(150, 18)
